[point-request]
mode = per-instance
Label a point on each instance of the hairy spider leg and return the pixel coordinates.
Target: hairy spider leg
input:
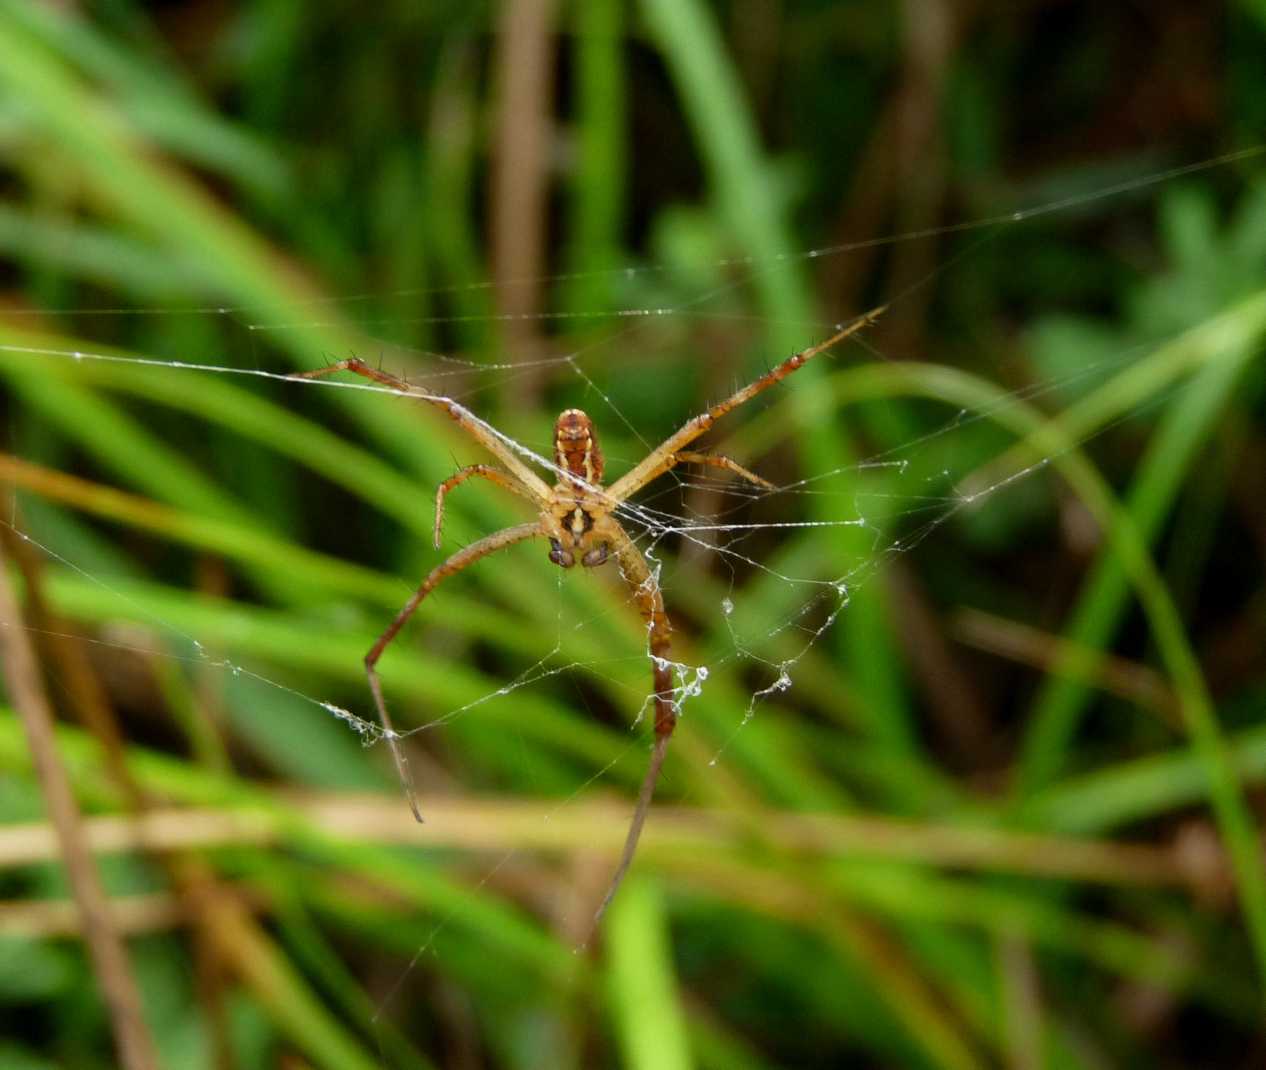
(667, 453)
(534, 485)
(464, 557)
(714, 460)
(484, 471)
(650, 603)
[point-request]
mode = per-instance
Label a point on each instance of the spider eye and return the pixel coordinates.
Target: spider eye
(562, 558)
(595, 557)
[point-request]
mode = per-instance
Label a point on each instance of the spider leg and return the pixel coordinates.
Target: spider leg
(535, 487)
(355, 364)
(650, 603)
(466, 556)
(717, 461)
(493, 475)
(666, 455)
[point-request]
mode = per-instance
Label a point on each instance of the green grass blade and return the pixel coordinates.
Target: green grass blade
(650, 1022)
(1103, 601)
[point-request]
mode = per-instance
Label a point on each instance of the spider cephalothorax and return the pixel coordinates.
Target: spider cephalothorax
(577, 516)
(578, 509)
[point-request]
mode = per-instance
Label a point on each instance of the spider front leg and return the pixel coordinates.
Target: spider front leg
(355, 364)
(666, 454)
(650, 603)
(467, 556)
(487, 436)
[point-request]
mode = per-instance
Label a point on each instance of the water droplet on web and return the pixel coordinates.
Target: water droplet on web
(727, 607)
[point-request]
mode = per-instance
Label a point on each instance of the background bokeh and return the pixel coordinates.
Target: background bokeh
(1006, 812)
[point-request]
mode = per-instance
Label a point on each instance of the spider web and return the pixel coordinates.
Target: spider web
(755, 580)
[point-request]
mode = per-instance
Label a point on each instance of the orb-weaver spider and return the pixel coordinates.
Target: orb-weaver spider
(577, 516)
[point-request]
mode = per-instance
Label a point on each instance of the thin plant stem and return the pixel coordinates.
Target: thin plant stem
(132, 1038)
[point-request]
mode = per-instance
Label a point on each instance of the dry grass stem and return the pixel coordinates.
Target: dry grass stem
(597, 828)
(26, 690)
(1048, 653)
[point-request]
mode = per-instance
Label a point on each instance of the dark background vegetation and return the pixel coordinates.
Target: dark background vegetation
(1007, 812)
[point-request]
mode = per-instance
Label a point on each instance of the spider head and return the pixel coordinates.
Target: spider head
(576, 449)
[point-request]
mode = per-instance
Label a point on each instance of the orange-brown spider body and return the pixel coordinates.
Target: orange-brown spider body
(574, 522)
(577, 516)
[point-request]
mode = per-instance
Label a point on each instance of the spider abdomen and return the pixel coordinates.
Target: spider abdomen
(576, 449)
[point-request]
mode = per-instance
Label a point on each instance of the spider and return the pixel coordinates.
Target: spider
(577, 516)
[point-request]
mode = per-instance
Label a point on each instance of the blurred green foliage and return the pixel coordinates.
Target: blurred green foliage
(1006, 811)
